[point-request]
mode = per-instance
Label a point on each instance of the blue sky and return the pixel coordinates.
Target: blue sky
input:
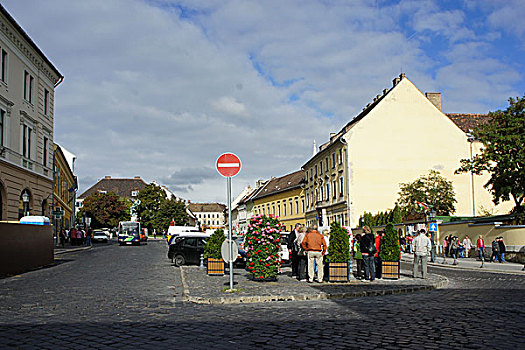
(160, 88)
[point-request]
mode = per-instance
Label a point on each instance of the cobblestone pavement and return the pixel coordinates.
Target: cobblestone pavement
(114, 297)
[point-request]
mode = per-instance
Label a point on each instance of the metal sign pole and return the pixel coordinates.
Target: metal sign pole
(229, 186)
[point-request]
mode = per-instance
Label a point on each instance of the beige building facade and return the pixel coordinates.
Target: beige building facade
(27, 83)
(400, 136)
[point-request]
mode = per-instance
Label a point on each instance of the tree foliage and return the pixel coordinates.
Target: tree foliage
(155, 210)
(105, 209)
(503, 154)
(394, 216)
(339, 246)
(432, 189)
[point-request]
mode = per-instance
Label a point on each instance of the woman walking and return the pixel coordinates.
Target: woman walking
(358, 257)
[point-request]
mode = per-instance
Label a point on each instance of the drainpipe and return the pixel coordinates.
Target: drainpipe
(347, 171)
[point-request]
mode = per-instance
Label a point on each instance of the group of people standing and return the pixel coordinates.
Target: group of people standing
(77, 237)
(366, 249)
(307, 248)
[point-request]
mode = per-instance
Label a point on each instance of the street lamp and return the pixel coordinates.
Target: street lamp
(471, 138)
(25, 200)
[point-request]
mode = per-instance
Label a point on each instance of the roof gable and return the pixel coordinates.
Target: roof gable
(281, 184)
(122, 187)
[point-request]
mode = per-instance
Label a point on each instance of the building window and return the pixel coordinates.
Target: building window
(3, 63)
(44, 155)
(341, 187)
(302, 202)
(296, 205)
(340, 156)
(334, 189)
(326, 164)
(46, 101)
(279, 208)
(273, 208)
(333, 160)
(321, 167)
(28, 87)
(327, 191)
(2, 121)
(315, 174)
(284, 208)
(26, 141)
(134, 193)
(291, 207)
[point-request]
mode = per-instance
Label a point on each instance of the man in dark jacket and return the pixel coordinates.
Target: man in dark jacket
(368, 250)
(293, 249)
(502, 249)
(495, 251)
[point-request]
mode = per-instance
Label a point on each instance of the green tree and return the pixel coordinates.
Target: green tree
(503, 154)
(105, 209)
(397, 215)
(212, 249)
(170, 209)
(151, 197)
(432, 189)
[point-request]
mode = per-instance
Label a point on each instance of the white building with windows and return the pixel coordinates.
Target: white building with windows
(209, 215)
(27, 88)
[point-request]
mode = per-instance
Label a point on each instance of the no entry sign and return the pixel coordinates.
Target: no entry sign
(228, 164)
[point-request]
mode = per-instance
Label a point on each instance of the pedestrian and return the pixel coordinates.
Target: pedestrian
(446, 245)
(480, 244)
(326, 265)
(293, 249)
(89, 233)
(409, 243)
(377, 259)
(467, 244)
(358, 257)
(315, 247)
(502, 249)
(154, 234)
(421, 247)
(368, 250)
(62, 237)
(301, 255)
(454, 247)
(495, 251)
(402, 242)
(73, 236)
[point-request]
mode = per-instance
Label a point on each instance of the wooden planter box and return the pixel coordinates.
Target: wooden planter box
(390, 269)
(338, 272)
(215, 267)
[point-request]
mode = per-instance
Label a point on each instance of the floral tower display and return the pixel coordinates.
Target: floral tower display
(262, 244)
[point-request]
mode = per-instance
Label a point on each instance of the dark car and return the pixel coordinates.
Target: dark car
(187, 250)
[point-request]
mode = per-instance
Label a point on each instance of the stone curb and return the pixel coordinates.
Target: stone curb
(72, 250)
(443, 282)
(454, 267)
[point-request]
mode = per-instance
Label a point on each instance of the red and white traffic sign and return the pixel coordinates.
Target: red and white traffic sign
(228, 164)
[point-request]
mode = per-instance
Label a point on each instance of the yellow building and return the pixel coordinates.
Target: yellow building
(398, 137)
(283, 197)
(65, 190)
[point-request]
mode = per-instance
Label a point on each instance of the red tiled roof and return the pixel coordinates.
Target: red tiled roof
(468, 121)
(122, 187)
(207, 207)
(280, 184)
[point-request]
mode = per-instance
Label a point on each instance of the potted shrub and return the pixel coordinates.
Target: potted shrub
(262, 244)
(338, 254)
(390, 253)
(212, 252)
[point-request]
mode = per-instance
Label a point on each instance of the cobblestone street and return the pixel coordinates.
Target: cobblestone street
(131, 297)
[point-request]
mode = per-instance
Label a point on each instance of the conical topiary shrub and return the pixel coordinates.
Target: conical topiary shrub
(339, 247)
(390, 253)
(262, 244)
(212, 249)
(212, 252)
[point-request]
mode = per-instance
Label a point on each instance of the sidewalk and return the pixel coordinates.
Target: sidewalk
(471, 264)
(203, 289)
(68, 248)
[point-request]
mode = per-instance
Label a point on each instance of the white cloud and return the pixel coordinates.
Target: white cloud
(160, 88)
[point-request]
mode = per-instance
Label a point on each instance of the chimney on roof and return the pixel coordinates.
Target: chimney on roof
(385, 91)
(107, 177)
(332, 134)
(137, 177)
(259, 183)
(435, 98)
(396, 81)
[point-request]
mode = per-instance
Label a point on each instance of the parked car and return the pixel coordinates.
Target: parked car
(99, 236)
(187, 250)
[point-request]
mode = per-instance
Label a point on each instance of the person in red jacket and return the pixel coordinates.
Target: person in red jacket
(480, 244)
(377, 259)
